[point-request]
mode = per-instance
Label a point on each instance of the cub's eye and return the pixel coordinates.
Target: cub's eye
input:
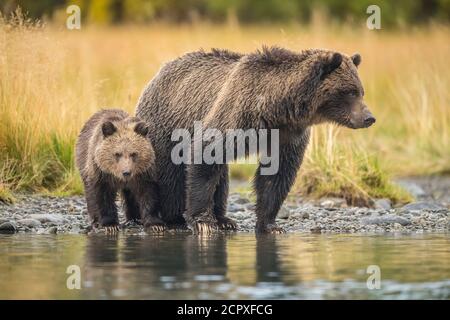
(353, 94)
(117, 155)
(133, 155)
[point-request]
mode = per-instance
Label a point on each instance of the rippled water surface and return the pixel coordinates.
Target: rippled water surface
(183, 266)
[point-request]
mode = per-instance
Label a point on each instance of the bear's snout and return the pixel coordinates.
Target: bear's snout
(370, 120)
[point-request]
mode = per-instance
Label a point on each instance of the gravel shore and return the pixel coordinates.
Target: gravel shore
(51, 215)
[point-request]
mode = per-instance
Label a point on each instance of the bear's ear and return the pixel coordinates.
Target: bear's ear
(108, 129)
(141, 128)
(356, 58)
(330, 63)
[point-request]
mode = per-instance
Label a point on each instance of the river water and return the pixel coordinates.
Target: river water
(235, 266)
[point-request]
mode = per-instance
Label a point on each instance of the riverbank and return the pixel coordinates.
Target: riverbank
(430, 213)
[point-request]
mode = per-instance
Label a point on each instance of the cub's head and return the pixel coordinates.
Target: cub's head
(124, 151)
(339, 97)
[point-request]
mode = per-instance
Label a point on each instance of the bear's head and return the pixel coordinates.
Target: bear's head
(339, 96)
(124, 150)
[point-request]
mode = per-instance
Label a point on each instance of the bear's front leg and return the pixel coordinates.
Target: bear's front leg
(201, 184)
(272, 190)
(130, 206)
(101, 200)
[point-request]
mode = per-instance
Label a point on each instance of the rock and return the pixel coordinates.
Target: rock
(232, 207)
(250, 206)
(8, 227)
(383, 204)
(30, 223)
(385, 219)
(241, 200)
(333, 203)
(413, 188)
(423, 205)
(300, 213)
(52, 230)
(3, 220)
(56, 219)
(283, 213)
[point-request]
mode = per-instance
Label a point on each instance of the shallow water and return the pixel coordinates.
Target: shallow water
(182, 266)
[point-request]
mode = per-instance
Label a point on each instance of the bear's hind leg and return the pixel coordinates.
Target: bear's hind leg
(201, 185)
(171, 187)
(220, 202)
(147, 198)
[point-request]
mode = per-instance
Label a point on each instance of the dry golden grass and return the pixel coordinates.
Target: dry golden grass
(52, 80)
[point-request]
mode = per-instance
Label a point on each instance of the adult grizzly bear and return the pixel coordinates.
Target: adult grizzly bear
(274, 89)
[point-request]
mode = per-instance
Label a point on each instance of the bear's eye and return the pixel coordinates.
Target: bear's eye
(133, 155)
(353, 94)
(117, 155)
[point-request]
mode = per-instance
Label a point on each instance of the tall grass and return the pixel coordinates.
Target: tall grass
(52, 80)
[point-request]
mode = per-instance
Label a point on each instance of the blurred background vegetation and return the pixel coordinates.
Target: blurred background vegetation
(395, 13)
(53, 79)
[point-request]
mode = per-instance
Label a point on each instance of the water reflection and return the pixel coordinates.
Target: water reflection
(182, 266)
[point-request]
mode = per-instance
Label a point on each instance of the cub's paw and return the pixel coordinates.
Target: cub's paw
(270, 228)
(112, 230)
(110, 225)
(226, 224)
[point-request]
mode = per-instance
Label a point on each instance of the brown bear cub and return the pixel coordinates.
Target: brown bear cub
(114, 154)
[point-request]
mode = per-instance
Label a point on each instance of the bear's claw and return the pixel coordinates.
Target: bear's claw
(205, 228)
(155, 228)
(227, 224)
(271, 229)
(112, 229)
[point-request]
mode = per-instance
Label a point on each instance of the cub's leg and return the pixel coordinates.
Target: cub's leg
(220, 201)
(100, 198)
(201, 185)
(130, 205)
(272, 190)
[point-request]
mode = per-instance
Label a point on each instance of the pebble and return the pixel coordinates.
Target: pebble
(49, 218)
(383, 204)
(386, 219)
(30, 223)
(413, 188)
(423, 205)
(52, 230)
(332, 203)
(8, 227)
(283, 213)
(49, 215)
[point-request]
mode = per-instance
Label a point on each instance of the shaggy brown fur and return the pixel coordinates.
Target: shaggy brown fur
(273, 89)
(114, 153)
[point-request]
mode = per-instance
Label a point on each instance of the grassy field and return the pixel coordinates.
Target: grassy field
(53, 79)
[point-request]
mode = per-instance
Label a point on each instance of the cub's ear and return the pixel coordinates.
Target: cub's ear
(356, 58)
(141, 128)
(108, 129)
(330, 63)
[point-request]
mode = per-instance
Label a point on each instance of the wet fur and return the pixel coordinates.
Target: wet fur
(273, 88)
(97, 166)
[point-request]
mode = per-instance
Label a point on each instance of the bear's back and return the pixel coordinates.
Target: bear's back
(186, 87)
